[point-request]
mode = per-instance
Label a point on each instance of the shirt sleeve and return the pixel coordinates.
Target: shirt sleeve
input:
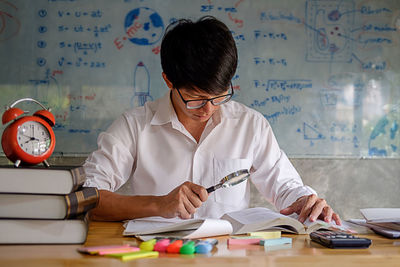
(273, 174)
(110, 166)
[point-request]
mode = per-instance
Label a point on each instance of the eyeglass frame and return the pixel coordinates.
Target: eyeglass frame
(207, 99)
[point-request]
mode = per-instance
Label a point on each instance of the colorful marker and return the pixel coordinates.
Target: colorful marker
(148, 245)
(189, 247)
(162, 244)
(205, 246)
(175, 246)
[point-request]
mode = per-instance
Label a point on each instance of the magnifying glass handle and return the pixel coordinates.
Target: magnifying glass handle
(213, 188)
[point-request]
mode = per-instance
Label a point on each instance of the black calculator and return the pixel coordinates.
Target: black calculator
(336, 239)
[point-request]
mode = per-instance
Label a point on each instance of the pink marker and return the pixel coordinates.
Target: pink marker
(161, 246)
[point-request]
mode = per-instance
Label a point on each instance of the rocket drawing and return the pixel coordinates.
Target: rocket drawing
(141, 85)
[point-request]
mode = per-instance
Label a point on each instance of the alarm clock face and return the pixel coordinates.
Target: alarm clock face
(33, 138)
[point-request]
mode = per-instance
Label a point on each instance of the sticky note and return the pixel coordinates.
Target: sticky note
(117, 250)
(247, 241)
(266, 234)
(96, 249)
(134, 255)
(275, 242)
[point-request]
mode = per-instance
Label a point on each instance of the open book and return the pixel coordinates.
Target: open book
(238, 222)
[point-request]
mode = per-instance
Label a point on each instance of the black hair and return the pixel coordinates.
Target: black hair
(199, 54)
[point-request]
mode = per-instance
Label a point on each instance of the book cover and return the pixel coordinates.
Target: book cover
(25, 231)
(39, 206)
(41, 180)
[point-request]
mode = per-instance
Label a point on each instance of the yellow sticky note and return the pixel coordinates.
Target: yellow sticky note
(266, 234)
(134, 255)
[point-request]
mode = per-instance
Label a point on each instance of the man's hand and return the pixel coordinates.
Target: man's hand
(183, 201)
(312, 207)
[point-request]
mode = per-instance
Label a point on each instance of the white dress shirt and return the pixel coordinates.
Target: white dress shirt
(149, 145)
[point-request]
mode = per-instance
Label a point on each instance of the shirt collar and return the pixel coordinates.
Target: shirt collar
(165, 112)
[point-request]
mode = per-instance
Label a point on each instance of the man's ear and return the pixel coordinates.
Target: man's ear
(169, 84)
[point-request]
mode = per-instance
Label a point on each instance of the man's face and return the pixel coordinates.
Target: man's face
(200, 115)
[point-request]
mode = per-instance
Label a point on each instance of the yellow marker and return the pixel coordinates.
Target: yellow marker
(148, 245)
(266, 234)
(134, 255)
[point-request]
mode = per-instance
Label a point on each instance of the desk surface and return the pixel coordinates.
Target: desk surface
(382, 252)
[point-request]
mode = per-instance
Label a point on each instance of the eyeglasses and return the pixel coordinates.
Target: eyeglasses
(198, 103)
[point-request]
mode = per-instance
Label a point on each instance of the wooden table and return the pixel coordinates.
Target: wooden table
(382, 252)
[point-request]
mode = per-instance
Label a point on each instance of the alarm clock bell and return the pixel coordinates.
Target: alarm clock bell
(28, 140)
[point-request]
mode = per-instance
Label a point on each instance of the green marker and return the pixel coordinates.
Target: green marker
(188, 248)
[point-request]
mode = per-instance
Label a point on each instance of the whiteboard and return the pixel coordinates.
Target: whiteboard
(325, 73)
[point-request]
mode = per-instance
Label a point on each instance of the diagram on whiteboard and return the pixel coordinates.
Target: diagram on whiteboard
(328, 25)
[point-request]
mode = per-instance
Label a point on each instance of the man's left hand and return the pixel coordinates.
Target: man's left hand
(312, 207)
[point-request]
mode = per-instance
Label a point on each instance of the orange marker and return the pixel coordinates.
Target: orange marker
(175, 246)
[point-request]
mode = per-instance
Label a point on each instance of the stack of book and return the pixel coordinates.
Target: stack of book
(383, 221)
(44, 205)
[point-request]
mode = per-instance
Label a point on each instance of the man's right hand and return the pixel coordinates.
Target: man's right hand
(183, 201)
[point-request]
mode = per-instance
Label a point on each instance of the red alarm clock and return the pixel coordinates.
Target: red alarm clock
(28, 139)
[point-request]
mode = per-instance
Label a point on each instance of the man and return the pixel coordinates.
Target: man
(175, 147)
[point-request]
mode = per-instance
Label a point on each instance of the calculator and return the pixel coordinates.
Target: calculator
(337, 239)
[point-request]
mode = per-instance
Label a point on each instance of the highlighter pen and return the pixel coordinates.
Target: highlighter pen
(205, 246)
(189, 247)
(162, 244)
(175, 246)
(148, 245)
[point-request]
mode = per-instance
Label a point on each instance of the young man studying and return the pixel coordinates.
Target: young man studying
(174, 148)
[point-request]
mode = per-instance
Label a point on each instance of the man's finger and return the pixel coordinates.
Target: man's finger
(306, 210)
(317, 209)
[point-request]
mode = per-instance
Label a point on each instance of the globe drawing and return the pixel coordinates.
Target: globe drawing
(144, 26)
(385, 137)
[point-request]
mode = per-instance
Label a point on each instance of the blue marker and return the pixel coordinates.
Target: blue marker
(205, 246)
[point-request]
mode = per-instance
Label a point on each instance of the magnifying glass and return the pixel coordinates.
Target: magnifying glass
(231, 180)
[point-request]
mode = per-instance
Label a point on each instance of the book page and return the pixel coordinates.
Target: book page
(381, 214)
(191, 228)
(151, 225)
(252, 215)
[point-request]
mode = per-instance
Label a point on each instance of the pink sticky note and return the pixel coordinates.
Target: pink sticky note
(94, 250)
(118, 250)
